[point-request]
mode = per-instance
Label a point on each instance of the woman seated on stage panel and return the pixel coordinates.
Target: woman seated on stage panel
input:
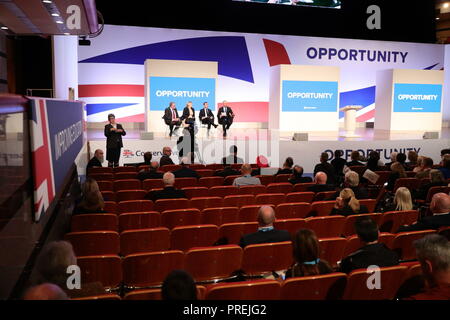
(188, 117)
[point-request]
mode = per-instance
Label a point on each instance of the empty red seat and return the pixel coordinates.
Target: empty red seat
(292, 210)
(221, 215)
(266, 180)
(290, 225)
(282, 178)
(109, 196)
(170, 204)
(196, 192)
(282, 187)
(209, 182)
(322, 208)
(238, 200)
(105, 269)
(124, 169)
(91, 243)
(110, 207)
(410, 183)
(249, 213)
(302, 187)
(409, 217)
(170, 167)
(125, 175)
(149, 184)
(180, 217)
(228, 181)
(205, 173)
(128, 184)
(321, 287)
(205, 202)
(300, 197)
(326, 227)
(270, 198)
(263, 258)
(324, 196)
(403, 243)
(391, 221)
(332, 249)
(144, 240)
(139, 220)
(349, 228)
(369, 203)
(245, 290)
(187, 237)
(185, 182)
(232, 232)
(253, 189)
(105, 185)
(94, 222)
(135, 206)
(127, 195)
(223, 191)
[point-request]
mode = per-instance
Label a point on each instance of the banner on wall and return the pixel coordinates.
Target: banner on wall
(57, 137)
(309, 96)
(411, 97)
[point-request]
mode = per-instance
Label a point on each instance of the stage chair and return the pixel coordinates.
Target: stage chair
(110, 207)
(326, 227)
(300, 197)
(254, 190)
(281, 187)
(109, 196)
(228, 181)
(369, 203)
(266, 180)
(128, 195)
(92, 243)
(324, 196)
(185, 182)
(129, 184)
(209, 182)
(282, 178)
(302, 187)
(290, 225)
(125, 175)
(332, 249)
(97, 170)
(249, 213)
(322, 287)
(349, 228)
(410, 183)
(187, 237)
(170, 167)
(238, 200)
(220, 216)
(149, 184)
(322, 208)
(231, 233)
(124, 169)
(135, 206)
(94, 222)
(205, 173)
(213, 264)
(139, 220)
(180, 217)
(144, 240)
(101, 176)
(106, 296)
(245, 290)
(270, 199)
(223, 191)
(171, 204)
(205, 202)
(105, 185)
(196, 192)
(292, 210)
(106, 269)
(144, 270)
(403, 243)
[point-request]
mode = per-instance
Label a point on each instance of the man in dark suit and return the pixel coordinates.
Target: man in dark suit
(225, 117)
(326, 167)
(372, 253)
(355, 157)
(151, 173)
(228, 171)
(184, 171)
(169, 191)
(113, 133)
(165, 158)
(206, 116)
(266, 232)
(297, 176)
(171, 118)
(440, 206)
(96, 160)
(321, 183)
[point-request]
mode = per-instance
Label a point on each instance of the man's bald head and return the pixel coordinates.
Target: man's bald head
(266, 216)
(45, 291)
(321, 178)
(246, 168)
(154, 165)
(440, 203)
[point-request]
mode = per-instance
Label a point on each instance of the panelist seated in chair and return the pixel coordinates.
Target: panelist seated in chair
(171, 118)
(206, 116)
(225, 117)
(188, 115)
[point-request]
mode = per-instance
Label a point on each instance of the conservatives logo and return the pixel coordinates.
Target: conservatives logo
(127, 153)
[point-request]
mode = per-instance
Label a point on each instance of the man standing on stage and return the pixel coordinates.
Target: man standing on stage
(225, 116)
(113, 132)
(206, 116)
(171, 118)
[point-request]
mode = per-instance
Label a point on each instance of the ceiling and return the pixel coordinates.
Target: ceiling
(443, 21)
(47, 17)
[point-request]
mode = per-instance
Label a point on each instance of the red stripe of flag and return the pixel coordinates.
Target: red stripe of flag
(110, 90)
(366, 116)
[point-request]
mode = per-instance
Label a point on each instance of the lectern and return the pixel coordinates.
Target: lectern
(350, 121)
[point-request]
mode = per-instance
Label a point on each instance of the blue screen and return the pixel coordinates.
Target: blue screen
(309, 96)
(410, 97)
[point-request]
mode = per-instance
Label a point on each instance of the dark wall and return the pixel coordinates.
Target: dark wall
(412, 20)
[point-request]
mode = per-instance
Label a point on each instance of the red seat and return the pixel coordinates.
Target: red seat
(94, 222)
(282, 187)
(196, 166)
(332, 249)
(91, 243)
(196, 192)
(290, 225)
(144, 167)
(433, 190)
(97, 170)
(403, 243)
(219, 216)
(390, 279)
(139, 220)
(245, 290)
(391, 221)
(170, 167)
(124, 169)
(238, 200)
(109, 196)
(232, 232)
(322, 208)
(262, 258)
(349, 228)
(125, 175)
(144, 240)
(236, 166)
(249, 213)
(354, 243)
(150, 269)
(214, 166)
(223, 191)
(302, 187)
(127, 195)
(155, 294)
(205, 202)
(254, 189)
(106, 296)
(105, 185)
(106, 269)
(321, 287)
(129, 184)
(300, 197)
(228, 181)
(326, 227)
(205, 173)
(149, 184)
(101, 176)
(205, 264)
(209, 182)
(445, 231)
(292, 210)
(369, 203)
(324, 196)
(185, 182)
(110, 207)
(171, 204)
(266, 180)
(282, 178)
(135, 206)
(270, 198)
(187, 237)
(180, 217)
(383, 177)
(410, 183)
(409, 217)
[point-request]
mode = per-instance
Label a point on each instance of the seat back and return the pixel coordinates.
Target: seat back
(97, 170)
(124, 169)
(349, 228)
(106, 269)
(302, 187)
(139, 220)
(332, 249)
(238, 200)
(300, 197)
(354, 243)
(205, 173)
(91, 243)
(101, 176)
(326, 227)
(246, 290)
(105, 185)
(221, 215)
(282, 178)
(228, 181)
(369, 203)
(135, 206)
(391, 221)
(170, 167)
(290, 225)
(109, 196)
(403, 243)
(126, 195)
(94, 222)
(170, 204)
(127, 184)
(267, 257)
(205, 202)
(322, 208)
(321, 287)
(196, 192)
(270, 198)
(144, 240)
(324, 196)
(149, 184)
(185, 182)
(409, 216)
(253, 189)
(281, 187)
(125, 175)
(410, 183)
(231, 233)
(180, 217)
(223, 191)
(266, 180)
(187, 237)
(110, 207)
(433, 190)
(214, 166)
(249, 213)
(383, 177)
(209, 182)
(196, 166)
(293, 210)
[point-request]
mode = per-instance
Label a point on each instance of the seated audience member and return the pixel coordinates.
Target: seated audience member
(436, 180)
(433, 253)
(445, 169)
(444, 152)
(227, 171)
(321, 185)
(347, 204)
(246, 179)
(306, 252)
(398, 171)
(412, 159)
(424, 170)
(232, 158)
(165, 158)
(393, 160)
(184, 171)
(297, 176)
(326, 167)
(440, 207)
(355, 157)
(261, 162)
(351, 181)
(372, 253)
(374, 163)
(179, 285)
(91, 198)
(402, 200)
(169, 191)
(419, 164)
(287, 167)
(96, 160)
(151, 173)
(401, 158)
(338, 163)
(266, 232)
(45, 291)
(147, 160)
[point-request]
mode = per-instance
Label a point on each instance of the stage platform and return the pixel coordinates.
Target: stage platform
(277, 145)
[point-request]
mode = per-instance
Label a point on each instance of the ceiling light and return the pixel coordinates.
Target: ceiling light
(67, 34)
(437, 18)
(446, 5)
(55, 15)
(46, 1)
(4, 28)
(59, 21)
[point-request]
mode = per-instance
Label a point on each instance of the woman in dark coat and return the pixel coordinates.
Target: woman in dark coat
(113, 133)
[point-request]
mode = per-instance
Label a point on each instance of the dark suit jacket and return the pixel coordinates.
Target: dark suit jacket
(168, 115)
(229, 114)
(347, 211)
(354, 163)
(228, 171)
(166, 193)
(283, 171)
(185, 172)
(301, 180)
(428, 223)
(265, 237)
(328, 169)
(94, 162)
(186, 113)
(375, 254)
(321, 188)
(114, 139)
(338, 165)
(208, 114)
(165, 160)
(149, 175)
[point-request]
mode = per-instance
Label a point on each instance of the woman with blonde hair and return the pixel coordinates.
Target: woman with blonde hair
(347, 204)
(91, 199)
(402, 199)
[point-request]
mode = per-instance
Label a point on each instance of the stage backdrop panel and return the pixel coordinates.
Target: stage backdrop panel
(304, 98)
(409, 100)
(177, 81)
